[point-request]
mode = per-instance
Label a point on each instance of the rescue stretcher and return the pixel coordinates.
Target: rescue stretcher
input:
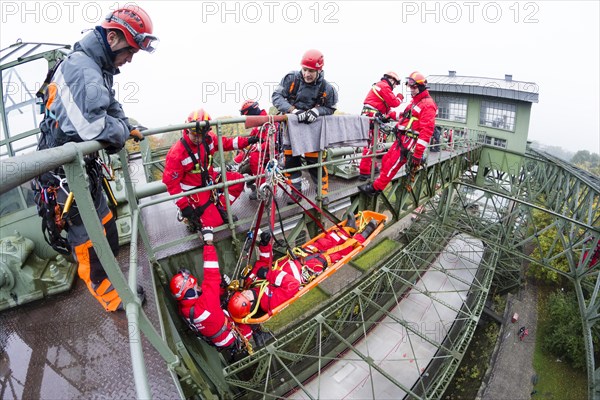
(362, 219)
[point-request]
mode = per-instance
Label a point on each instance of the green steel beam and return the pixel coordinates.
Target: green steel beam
(509, 192)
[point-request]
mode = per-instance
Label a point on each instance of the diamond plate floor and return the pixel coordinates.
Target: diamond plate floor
(67, 347)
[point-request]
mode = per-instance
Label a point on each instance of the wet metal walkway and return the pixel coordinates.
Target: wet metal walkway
(67, 347)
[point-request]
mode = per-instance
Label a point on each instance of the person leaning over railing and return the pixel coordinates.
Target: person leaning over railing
(307, 94)
(255, 155)
(80, 106)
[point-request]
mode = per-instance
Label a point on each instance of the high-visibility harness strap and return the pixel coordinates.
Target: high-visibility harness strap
(373, 88)
(263, 288)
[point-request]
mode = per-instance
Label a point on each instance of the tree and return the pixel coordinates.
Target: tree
(587, 161)
(565, 339)
(581, 157)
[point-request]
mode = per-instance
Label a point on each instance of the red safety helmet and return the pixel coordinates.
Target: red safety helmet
(181, 283)
(239, 305)
(135, 24)
(313, 59)
(393, 75)
(247, 106)
(198, 115)
(416, 78)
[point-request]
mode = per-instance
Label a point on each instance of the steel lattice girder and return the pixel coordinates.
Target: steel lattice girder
(540, 194)
(308, 349)
(533, 185)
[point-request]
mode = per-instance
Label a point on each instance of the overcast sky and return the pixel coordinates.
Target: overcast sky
(213, 54)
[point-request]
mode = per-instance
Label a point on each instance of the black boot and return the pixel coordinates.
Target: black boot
(261, 337)
(370, 228)
(253, 195)
(141, 294)
(294, 195)
(351, 222)
(223, 214)
(368, 189)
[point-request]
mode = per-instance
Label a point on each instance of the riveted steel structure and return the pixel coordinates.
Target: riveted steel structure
(479, 209)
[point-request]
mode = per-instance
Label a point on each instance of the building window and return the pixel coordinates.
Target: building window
(498, 115)
(492, 141)
(451, 108)
(500, 143)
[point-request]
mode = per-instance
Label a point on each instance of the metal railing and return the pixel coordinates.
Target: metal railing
(20, 169)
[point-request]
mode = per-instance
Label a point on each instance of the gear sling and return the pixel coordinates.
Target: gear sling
(56, 205)
(201, 168)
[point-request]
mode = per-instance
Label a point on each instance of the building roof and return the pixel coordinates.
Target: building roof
(505, 88)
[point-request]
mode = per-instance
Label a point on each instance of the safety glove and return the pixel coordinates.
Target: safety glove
(265, 238)
(311, 115)
(136, 133)
(252, 140)
(188, 213)
(381, 119)
(207, 234)
(302, 116)
(414, 167)
(262, 272)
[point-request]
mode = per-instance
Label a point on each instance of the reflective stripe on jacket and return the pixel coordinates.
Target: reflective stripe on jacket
(84, 103)
(181, 174)
(424, 111)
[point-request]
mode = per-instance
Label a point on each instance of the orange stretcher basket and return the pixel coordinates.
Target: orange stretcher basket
(362, 218)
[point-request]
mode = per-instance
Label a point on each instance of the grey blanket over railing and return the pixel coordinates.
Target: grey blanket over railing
(326, 132)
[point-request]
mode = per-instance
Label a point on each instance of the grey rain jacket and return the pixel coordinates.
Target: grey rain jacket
(85, 104)
(306, 95)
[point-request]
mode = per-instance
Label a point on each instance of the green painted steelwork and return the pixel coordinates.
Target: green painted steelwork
(505, 200)
(490, 194)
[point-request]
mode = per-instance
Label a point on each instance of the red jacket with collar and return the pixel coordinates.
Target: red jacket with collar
(382, 97)
(207, 316)
(423, 110)
(180, 171)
